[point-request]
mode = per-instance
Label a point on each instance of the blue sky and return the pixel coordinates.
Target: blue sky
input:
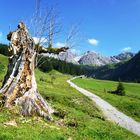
(106, 26)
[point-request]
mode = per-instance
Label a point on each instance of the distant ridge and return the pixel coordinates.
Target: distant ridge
(125, 71)
(91, 58)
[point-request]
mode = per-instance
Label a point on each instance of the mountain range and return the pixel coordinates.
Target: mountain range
(91, 58)
(88, 58)
(125, 66)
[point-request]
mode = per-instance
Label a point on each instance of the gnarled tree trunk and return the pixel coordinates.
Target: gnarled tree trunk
(19, 86)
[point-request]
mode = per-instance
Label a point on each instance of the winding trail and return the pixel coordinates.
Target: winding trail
(110, 112)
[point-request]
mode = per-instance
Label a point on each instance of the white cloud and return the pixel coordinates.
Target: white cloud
(93, 41)
(37, 40)
(126, 49)
(59, 45)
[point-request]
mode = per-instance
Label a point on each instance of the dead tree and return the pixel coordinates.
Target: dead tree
(44, 26)
(19, 86)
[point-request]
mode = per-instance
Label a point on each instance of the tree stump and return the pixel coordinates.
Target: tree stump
(19, 86)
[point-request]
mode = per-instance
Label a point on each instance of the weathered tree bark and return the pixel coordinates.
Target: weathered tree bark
(19, 86)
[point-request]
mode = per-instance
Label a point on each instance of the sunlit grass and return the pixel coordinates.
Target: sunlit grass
(78, 117)
(129, 104)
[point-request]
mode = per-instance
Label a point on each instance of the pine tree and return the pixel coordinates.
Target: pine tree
(120, 89)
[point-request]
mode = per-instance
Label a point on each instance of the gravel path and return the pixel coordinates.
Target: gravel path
(110, 112)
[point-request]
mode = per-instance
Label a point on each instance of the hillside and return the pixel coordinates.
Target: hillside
(77, 116)
(125, 71)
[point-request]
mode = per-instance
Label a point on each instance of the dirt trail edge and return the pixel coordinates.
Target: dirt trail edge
(110, 112)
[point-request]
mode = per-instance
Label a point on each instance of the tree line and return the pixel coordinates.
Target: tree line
(47, 64)
(4, 49)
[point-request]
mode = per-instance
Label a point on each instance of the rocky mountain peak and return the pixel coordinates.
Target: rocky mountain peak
(91, 58)
(124, 56)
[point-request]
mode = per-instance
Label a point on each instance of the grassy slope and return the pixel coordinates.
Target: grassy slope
(129, 104)
(3, 66)
(75, 108)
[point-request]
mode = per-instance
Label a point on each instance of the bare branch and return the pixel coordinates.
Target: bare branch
(72, 36)
(44, 25)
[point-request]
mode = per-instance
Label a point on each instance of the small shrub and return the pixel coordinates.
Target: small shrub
(120, 90)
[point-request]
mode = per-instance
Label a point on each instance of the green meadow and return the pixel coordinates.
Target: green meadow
(77, 117)
(129, 104)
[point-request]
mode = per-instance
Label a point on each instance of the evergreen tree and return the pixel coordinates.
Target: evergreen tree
(120, 89)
